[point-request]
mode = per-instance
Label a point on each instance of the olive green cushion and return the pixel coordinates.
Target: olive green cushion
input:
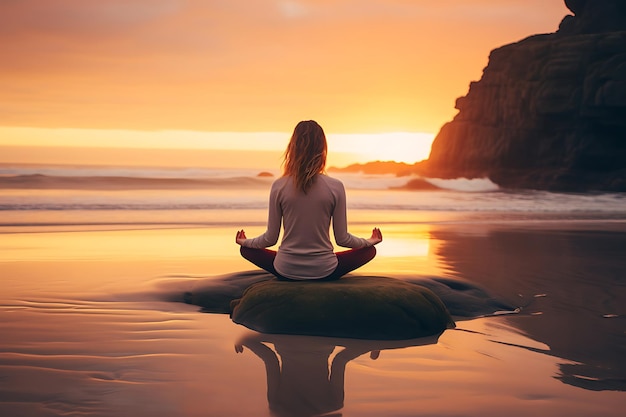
(353, 307)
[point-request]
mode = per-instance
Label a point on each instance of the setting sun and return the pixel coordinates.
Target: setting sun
(396, 146)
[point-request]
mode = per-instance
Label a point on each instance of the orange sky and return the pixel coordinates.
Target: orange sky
(356, 66)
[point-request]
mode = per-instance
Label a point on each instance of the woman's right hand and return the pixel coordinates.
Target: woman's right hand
(376, 237)
(240, 237)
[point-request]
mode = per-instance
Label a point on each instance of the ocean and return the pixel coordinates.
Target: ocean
(30, 189)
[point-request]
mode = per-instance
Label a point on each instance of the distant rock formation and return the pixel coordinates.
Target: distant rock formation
(265, 174)
(399, 169)
(418, 184)
(549, 111)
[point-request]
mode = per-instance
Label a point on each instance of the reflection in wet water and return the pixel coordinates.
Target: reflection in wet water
(572, 282)
(305, 374)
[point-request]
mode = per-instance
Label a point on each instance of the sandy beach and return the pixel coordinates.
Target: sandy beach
(88, 329)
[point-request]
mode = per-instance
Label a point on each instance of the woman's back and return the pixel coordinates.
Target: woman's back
(306, 216)
(306, 249)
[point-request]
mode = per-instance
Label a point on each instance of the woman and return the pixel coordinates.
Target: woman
(306, 200)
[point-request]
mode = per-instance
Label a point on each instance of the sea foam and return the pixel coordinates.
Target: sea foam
(473, 185)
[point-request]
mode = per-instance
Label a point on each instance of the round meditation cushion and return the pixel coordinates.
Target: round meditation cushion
(353, 307)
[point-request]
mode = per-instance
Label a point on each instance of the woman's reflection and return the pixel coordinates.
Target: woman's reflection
(303, 378)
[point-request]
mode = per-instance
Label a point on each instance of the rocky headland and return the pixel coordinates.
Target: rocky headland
(549, 111)
(399, 169)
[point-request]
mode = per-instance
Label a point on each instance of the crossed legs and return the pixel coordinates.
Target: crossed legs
(348, 261)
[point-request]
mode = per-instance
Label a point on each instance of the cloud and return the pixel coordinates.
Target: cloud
(293, 9)
(70, 18)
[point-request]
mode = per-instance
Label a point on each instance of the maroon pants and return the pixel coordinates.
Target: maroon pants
(347, 261)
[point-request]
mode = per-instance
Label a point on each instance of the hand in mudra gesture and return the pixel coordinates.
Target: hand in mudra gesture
(377, 236)
(240, 237)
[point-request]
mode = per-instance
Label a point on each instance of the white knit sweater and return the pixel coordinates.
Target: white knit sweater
(306, 251)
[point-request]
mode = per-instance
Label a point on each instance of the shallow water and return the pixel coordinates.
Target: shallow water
(86, 329)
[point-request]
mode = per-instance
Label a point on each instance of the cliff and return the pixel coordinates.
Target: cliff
(549, 111)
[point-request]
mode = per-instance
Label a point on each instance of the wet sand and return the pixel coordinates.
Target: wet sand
(87, 327)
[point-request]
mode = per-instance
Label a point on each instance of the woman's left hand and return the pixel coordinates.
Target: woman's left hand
(240, 237)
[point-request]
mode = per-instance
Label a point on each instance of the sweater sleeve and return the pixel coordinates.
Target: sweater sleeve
(275, 215)
(340, 222)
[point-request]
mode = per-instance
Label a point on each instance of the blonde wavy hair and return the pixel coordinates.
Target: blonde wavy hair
(305, 156)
